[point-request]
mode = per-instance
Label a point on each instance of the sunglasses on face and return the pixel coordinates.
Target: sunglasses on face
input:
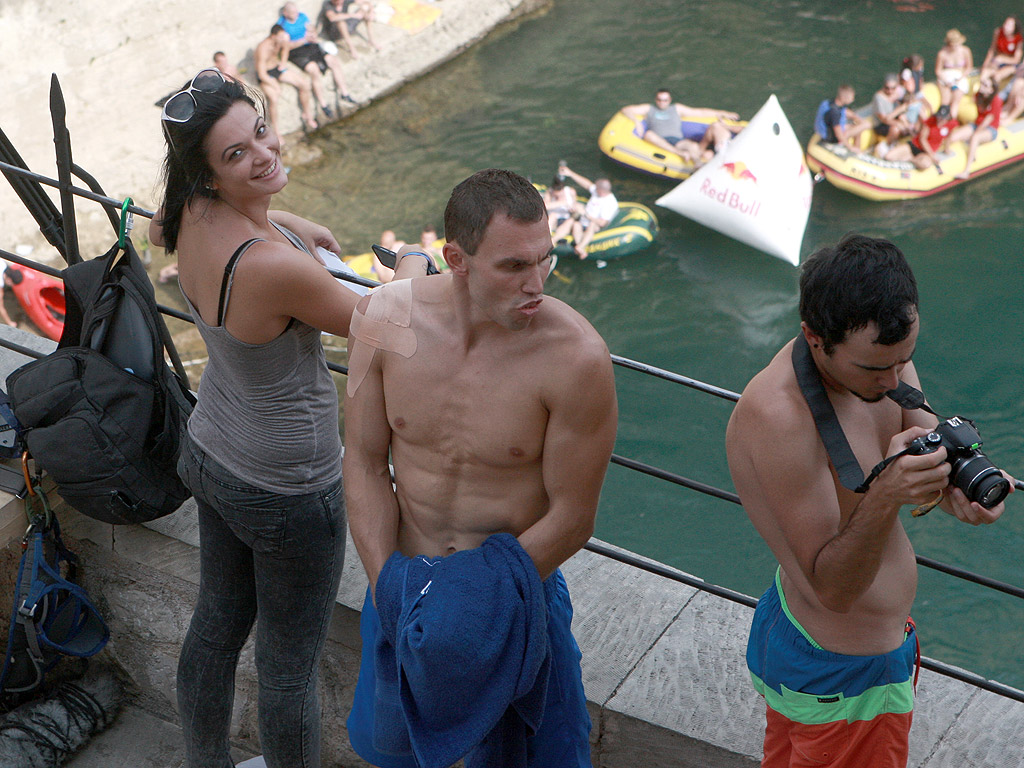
(182, 106)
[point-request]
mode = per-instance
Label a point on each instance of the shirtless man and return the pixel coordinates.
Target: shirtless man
(514, 436)
(831, 647)
(272, 69)
(669, 126)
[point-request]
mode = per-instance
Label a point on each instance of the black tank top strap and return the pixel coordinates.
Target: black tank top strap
(229, 270)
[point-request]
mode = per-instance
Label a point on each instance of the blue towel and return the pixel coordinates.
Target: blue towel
(462, 659)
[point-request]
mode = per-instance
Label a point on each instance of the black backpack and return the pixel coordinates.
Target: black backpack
(103, 414)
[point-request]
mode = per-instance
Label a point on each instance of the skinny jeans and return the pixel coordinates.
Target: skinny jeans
(273, 560)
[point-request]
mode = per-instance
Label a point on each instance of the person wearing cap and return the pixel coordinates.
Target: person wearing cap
(952, 65)
(922, 148)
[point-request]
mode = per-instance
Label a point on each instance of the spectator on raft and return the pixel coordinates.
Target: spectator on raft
(670, 126)
(889, 110)
(1014, 99)
(262, 454)
(1005, 52)
(835, 122)
(912, 81)
(953, 64)
(985, 128)
(921, 150)
(587, 220)
(559, 201)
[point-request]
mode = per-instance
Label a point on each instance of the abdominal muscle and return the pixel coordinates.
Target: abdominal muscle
(443, 510)
(876, 622)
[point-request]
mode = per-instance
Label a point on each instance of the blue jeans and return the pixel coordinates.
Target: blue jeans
(282, 555)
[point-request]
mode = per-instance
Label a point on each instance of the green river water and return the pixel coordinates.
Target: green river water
(699, 303)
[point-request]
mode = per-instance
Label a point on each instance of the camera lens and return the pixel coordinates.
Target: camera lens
(980, 480)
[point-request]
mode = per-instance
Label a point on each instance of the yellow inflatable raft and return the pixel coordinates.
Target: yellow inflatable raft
(619, 140)
(860, 172)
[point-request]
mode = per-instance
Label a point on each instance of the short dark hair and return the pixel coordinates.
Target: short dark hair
(859, 281)
(474, 202)
(186, 171)
(275, 29)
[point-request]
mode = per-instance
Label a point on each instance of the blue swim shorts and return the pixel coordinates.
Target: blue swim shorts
(828, 708)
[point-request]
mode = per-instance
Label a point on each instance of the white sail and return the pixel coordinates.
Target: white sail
(757, 190)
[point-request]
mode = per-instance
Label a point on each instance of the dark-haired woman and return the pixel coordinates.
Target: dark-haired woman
(1005, 52)
(263, 455)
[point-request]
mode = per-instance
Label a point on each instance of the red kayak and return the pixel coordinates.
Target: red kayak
(41, 296)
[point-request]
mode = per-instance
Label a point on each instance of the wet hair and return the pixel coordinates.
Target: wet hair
(187, 173)
(475, 201)
(557, 183)
(860, 280)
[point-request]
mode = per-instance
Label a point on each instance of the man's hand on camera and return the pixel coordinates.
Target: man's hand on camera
(971, 512)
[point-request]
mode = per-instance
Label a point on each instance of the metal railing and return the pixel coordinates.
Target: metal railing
(58, 226)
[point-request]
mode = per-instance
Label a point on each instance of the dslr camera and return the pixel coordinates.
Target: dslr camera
(971, 471)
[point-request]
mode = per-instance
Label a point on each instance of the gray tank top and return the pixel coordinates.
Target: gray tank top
(665, 122)
(268, 413)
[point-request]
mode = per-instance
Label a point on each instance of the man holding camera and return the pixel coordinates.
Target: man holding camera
(831, 648)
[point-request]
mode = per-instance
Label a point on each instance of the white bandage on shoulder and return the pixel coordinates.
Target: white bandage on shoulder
(386, 325)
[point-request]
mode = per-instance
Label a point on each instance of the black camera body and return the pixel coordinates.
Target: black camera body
(971, 471)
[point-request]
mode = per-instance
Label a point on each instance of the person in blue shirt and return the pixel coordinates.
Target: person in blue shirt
(305, 52)
(835, 122)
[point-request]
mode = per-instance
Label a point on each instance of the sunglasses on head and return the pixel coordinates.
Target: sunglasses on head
(182, 106)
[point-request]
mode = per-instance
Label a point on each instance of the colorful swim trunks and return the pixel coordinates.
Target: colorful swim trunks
(824, 708)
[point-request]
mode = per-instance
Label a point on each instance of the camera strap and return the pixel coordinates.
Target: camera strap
(825, 419)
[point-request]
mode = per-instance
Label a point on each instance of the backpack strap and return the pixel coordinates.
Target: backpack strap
(229, 272)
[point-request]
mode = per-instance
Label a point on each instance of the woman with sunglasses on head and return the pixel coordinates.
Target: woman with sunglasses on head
(263, 455)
